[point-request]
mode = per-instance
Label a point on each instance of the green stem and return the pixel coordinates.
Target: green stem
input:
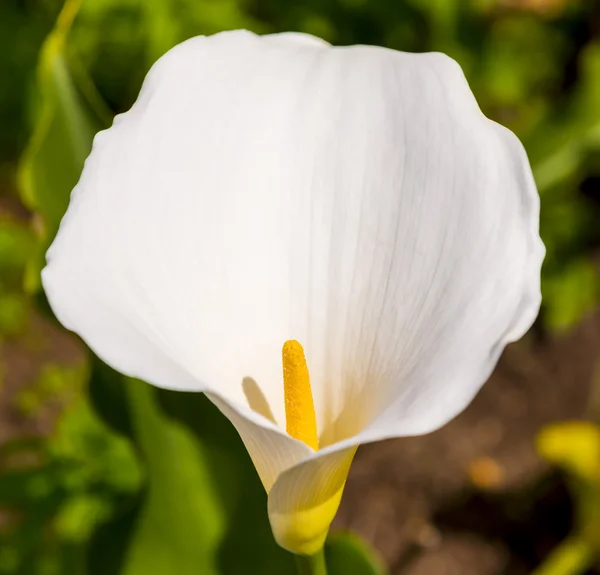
(572, 557)
(311, 564)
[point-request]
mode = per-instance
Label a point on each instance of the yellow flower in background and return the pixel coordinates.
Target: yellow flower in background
(333, 243)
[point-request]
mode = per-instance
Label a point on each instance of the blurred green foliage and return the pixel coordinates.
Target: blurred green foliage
(55, 491)
(574, 447)
(66, 116)
(17, 246)
(346, 553)
(203, 509)
(135, 480)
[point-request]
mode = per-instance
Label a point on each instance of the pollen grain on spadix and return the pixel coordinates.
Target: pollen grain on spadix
(301, 419)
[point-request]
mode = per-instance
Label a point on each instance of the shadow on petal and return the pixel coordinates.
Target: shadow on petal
(256, 399)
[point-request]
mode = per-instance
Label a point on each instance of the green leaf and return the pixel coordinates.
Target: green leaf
(181, 523)
(346, 553)
(247, 544)
(573, 556)
(64, 126)
(204, 509)
(572, 445)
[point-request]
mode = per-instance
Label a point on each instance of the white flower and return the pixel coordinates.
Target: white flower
(264, 189)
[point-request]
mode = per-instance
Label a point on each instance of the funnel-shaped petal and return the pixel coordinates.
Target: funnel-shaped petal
(265, 189)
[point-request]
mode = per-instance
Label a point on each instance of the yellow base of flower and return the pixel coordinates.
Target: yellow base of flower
(304, 531)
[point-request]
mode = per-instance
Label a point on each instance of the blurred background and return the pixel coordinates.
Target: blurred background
(102, 476)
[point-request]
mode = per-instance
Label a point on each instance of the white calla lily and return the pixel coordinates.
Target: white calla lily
(264, 189)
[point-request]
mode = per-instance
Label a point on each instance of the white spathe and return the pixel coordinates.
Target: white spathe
(271, 188)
